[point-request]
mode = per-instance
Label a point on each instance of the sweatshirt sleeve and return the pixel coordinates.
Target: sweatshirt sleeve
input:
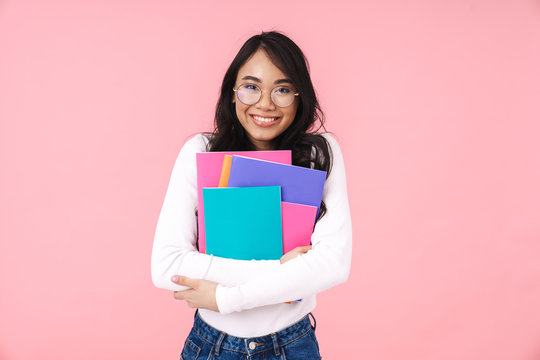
(174, 251)
(327, 264)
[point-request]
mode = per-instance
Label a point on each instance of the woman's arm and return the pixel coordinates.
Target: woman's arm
(325, 265)
(174, 251)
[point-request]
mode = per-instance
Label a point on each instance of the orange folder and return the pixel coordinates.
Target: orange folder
(225, 171)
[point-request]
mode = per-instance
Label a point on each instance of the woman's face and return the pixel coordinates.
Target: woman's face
(260, 71)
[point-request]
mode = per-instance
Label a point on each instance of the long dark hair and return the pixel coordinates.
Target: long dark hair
(309, 149)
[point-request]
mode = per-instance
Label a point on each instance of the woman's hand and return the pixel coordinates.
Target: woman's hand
(294, 253)
(201, 295)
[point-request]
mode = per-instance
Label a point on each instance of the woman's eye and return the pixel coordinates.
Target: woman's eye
(250, 87)
(283, 90)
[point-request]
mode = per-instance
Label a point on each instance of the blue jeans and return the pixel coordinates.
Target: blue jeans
(296, 342)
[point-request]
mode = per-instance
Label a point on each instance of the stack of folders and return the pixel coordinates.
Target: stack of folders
(255, 204)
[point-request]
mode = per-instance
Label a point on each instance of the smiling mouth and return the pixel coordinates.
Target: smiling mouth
(265, 119)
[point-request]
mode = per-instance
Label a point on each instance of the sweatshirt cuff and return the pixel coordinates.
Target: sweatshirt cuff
(228, 299)
(231, 298)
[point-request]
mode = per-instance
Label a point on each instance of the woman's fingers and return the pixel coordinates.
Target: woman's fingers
(294, 253)
(184, 281)
(187, 296)
(304, 248)
(201, 295)
(183, 295)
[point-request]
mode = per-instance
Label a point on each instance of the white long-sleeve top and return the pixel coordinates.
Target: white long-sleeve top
(251, 293)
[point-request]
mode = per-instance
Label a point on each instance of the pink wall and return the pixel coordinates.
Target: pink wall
(435, 104)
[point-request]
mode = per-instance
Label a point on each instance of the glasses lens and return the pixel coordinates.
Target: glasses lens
(248, 94)
(282, 96)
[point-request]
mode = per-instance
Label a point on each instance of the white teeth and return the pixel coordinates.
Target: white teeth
(258, 118)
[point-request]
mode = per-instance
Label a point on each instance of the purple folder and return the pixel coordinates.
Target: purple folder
(298, 184)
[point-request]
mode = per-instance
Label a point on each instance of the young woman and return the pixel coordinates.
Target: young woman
(267, 102)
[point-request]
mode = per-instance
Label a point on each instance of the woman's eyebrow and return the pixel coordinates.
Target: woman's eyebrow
(253, 78)
(256, 79)
(283, 81)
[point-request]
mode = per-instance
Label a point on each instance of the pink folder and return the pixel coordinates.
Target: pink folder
(297, 224)
(209, 165)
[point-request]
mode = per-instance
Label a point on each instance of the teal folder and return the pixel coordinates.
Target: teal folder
(243, 223)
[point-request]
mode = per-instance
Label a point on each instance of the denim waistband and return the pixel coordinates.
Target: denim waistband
(254, 345)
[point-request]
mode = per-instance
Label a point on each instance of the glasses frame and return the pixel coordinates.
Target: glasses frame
(260, 95)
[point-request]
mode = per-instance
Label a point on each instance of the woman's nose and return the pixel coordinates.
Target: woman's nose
(265, 102)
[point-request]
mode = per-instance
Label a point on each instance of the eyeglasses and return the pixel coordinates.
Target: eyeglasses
(250, 94)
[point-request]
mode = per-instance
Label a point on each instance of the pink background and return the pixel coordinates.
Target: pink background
(436, 107)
